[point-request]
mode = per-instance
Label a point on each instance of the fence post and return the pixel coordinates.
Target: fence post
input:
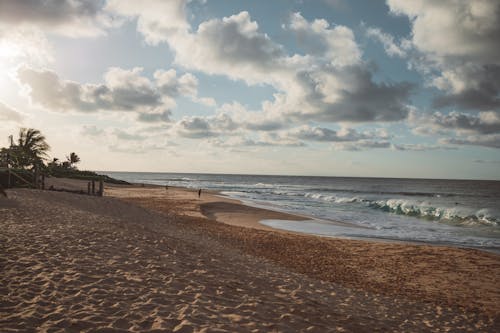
(35, 182)
(9, 180)
(88, 188)
(43, 181)
(93, 187)
(101, 187)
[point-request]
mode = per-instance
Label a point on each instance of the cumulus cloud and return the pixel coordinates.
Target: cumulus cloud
(330, 83)
(482, 123)
(321, 134)
(490, 140)
(362, 145)
(122, 90)
(231, 46)
(9, 114)
(336, 43)
(65, 17)
(458, 39)
(350, 94)
(419, 147)
(158, 19)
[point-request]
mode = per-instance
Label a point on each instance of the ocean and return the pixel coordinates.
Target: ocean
(463, 213)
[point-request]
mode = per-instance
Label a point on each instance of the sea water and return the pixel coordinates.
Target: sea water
(451, 212)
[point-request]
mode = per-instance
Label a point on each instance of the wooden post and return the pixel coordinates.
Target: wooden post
(43, 181)
(88, 188)
(9, 179)
(101, 187)
(93, 187)
(35, 182)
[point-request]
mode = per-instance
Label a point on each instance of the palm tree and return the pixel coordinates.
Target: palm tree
(73, 159)
(31, 148)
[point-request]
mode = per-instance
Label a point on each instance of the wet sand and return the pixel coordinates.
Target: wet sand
(149, 259)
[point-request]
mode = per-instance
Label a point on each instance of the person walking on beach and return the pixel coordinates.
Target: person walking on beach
(199, 193)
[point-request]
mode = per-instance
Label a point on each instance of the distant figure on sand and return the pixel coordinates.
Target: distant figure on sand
(199, 193)
(166, 187)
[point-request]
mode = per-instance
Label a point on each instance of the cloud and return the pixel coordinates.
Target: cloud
(458, 39)
(231, 46)
(420, 147)
(195, 128)
(387, 40)
(75, 18)
(157, 20)
(362, 145)
(482, 123)
(263, 141)
(336, 43)
(490, 140)
(122, 90)
(9, 114)
(470, 87)
(320, 134)
(330, 83)
(350, 94)
(125, 135)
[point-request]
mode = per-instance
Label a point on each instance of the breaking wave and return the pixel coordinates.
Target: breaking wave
(424, 210)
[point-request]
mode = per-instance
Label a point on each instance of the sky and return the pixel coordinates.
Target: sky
(368, 88)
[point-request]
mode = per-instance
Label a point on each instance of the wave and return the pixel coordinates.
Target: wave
(424, 210)
(333, 198)
(427, 211)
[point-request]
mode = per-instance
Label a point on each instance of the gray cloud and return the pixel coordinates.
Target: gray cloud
(442, 123)
(195, 128)
(420, 147)
(328, 135)
(155, 117)
(67, 17)
(9, 114)
(482, 95)
(359, 100)
(123, 90)
(490, 141)
(484, 123)
(363, 145)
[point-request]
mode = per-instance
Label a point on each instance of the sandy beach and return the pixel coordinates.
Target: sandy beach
(147, 259)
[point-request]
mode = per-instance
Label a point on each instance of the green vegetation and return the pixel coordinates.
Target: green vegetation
(30, 152)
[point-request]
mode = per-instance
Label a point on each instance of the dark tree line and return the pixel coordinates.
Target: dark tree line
(30, 151)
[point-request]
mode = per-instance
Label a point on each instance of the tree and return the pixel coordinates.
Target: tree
(73, 159)
(31, 149)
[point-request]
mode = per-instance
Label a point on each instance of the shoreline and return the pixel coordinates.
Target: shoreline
(234, 211)
(156, 252)
(252, 219)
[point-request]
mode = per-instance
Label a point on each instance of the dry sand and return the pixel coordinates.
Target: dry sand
(150, 260)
